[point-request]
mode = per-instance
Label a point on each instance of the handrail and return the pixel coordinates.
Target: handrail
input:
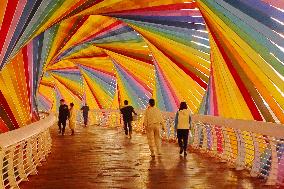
(260, 127)
(9, 138)
(22, 150)
(246, 144)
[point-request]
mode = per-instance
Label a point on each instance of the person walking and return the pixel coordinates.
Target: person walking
(62, 116)
(85, 109)
(153, 121)
(72, 118)
(126, 112)
(182, 126)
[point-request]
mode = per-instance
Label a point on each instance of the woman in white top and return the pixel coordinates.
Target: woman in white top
(182, 126)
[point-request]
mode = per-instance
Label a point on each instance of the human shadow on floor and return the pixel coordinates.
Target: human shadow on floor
(156, 173)
(161, 177)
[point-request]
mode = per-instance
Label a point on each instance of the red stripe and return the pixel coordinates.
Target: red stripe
(245, 93)
(26, 67)
(93, 93)
(145, 59)
(103, 30)
(76, 93)
(218, 129)
(73, 8)
(168, 85)
(215, 100)
(188, 72)
(136, 79)
(3, 126)
(9, 13)
(102, 55)
(161, 8)
(73, 28)
(35, 116)
(118, 94)
(70, 12)
(100, 70)
(9, 112)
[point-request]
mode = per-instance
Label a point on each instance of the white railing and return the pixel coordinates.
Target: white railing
(22, 150)
(252, 145)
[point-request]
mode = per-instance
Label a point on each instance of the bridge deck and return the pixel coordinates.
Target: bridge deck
(99, 157)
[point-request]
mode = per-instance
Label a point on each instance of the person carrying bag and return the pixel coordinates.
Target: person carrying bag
(183, 126)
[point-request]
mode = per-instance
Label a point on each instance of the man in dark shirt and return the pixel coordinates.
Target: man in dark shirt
(63, 116)
(126, 112)
(85, 110)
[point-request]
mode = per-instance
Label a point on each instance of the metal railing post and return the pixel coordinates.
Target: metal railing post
(30, 159)
(226, 156)
(256, 161)
(196, 135)
(214, 149)
(11, 171)
(21, 167)
(2, 156)
(205, 138)
(272, 178)
(240, 162)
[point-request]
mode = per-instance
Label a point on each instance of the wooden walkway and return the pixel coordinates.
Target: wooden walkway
(99, 157)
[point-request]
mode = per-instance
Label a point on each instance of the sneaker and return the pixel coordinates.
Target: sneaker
(180, 151)
(185, 154)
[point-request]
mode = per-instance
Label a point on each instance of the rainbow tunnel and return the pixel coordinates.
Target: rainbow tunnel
(224, 58)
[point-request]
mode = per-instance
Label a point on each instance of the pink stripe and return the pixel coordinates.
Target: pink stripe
(14, 23)
(281, 169)
(215, 98)
(97, 69)
(112, 29)
(105, 74)
(163, 13)
(92, 36)
(172, 91)
(30, 67)
(211, 100)
(135, 80)
(46, 100)
(275, 3)
(166, 85)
